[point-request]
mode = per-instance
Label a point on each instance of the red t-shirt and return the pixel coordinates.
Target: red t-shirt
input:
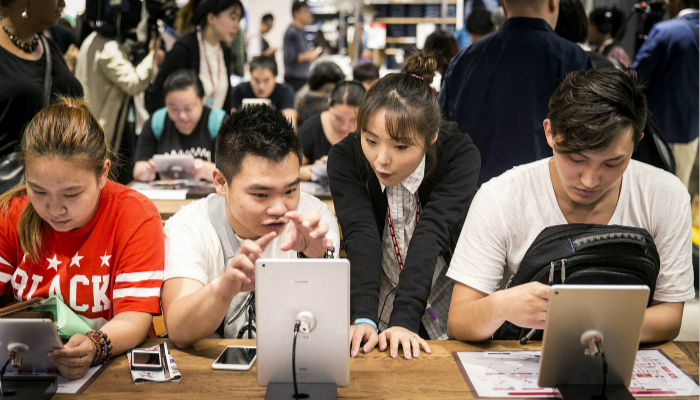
(111, 265)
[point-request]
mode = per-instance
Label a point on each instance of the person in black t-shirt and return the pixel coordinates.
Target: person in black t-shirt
(22, 69)
(183, 130)
(321, 131)
(262, 85)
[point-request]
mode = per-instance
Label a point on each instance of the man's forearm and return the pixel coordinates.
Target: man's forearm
(197, 315)
(662, 322)
(474, 321)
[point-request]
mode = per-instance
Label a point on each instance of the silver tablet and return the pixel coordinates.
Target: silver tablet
(174, 166)
(39, 335)
(284, 288)
(617, 311)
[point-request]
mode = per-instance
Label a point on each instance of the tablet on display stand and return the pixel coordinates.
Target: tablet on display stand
(582, 321)
(315, 292)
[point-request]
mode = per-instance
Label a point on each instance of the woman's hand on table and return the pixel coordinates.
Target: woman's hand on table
(409, 341)
(362, 333)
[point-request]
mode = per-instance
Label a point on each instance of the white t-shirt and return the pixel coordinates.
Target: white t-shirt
(509, 211)
(193, 249)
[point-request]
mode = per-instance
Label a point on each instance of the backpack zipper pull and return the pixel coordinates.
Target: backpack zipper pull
(551, 273)
(510, 281)
(563, 269)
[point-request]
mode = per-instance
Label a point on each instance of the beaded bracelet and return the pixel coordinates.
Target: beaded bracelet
(103, 347)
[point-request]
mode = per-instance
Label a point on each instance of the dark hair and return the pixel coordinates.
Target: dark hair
(267, 18)
(607, 19)
(257, 129)
(443, 47)
(264, 62)
(479, 22)
(323, 73)
(181, 80)
(591, 108)
(691, 3)
(572, 24)
(348, 92)
(68, 130)
(365, 72)
(412, 112)
(298, 5)
(195, 13)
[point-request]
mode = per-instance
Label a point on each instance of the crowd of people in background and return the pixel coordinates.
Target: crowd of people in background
(513, 88)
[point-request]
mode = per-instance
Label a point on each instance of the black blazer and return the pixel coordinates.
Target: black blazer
(361, 208)
(183, 55)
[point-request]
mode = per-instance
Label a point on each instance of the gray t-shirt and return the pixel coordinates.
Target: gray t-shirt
(295, 43)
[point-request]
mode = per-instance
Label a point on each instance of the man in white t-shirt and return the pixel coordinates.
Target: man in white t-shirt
(595, 121)
(257, 176)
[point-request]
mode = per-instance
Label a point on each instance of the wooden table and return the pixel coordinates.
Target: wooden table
(372, 376)
(168, 208)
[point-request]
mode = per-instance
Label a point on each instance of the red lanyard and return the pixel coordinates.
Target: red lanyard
(393, 235)
(211, 77)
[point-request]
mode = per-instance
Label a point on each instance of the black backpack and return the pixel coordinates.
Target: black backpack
(586, 254)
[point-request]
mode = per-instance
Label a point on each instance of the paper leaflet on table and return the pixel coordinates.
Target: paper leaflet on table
(168, 374)
(514, 374)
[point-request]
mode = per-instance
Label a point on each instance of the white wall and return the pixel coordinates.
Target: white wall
(282, 11)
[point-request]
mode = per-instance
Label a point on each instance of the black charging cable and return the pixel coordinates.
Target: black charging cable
(605, 371)
(2, 374)
(297, 323)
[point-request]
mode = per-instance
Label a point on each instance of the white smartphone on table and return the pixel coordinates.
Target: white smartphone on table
(239, 358)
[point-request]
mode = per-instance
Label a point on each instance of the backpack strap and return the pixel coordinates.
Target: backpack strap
(216, 117)
(217, 217)
(158, 122)
(232, 322)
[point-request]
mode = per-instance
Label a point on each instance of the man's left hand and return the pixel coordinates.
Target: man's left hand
(307, 235)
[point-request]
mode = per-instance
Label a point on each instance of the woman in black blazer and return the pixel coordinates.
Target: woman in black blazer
(401, 186)
(215, 22)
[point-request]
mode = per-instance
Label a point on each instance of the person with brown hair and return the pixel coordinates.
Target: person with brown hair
(443, 47)
(71, 232)
(595, 122)
(402, 186)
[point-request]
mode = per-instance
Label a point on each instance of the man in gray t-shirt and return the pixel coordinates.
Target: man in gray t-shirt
(297, 56)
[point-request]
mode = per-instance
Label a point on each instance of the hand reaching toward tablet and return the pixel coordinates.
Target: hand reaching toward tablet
(306, 235)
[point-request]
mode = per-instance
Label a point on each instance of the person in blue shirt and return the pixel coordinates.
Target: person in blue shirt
(668, 63)
(498, 89)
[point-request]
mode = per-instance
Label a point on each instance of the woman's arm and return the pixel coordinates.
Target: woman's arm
(442, 218)
(355, 213)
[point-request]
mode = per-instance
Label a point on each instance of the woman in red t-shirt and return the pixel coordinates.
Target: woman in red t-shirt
(71, 232)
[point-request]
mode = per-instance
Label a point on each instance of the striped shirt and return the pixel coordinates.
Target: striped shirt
(403, 200)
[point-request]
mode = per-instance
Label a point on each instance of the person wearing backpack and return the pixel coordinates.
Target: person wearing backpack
(184, 126)
(595, 122)
(211, 245)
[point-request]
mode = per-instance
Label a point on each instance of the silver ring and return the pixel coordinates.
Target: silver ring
(414, 336)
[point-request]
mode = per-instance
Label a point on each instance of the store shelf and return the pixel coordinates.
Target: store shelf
(450, 21)
(402, 40)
